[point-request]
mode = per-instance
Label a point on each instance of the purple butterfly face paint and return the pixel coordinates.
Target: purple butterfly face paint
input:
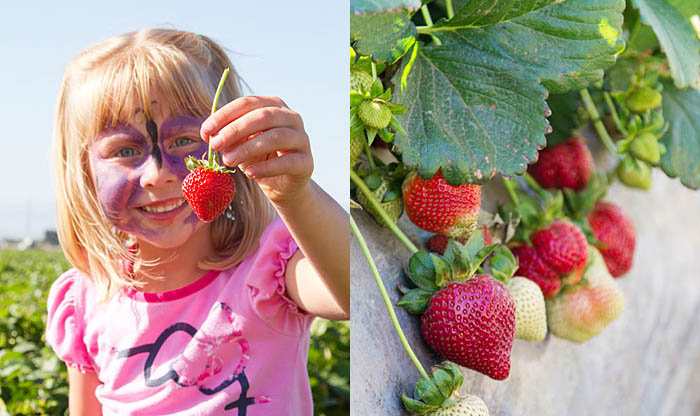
(138, 169)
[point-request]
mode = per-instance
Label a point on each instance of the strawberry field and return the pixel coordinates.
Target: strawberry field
(521, 177)
(33, 381)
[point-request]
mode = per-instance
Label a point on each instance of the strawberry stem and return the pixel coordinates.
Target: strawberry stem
(370, 158)
(429, 22)
(450, 10)
(510, 188)
(597, 123)
(385, 297)
(613, 113)
(382, 213)
(211, 161)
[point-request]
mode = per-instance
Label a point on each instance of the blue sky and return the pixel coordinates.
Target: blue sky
(295, 50)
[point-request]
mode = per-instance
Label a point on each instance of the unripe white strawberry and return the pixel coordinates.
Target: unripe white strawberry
(530, 312)
(582, 311)
(469, 405)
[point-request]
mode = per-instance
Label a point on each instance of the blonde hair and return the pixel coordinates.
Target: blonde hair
(103, 86)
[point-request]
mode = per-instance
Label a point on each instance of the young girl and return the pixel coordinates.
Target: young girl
(162, 313)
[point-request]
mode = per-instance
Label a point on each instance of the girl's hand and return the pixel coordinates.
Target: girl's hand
(267, 141)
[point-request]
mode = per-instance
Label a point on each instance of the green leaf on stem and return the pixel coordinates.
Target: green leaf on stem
(477, 102)
(385, 36)
(415, 300)
(681, 110)
(677, 38)
(429, 392)
(422, 271)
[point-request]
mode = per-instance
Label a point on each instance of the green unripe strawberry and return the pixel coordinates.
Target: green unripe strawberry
(360, 80)
(646, 147)
(634, 173)
(374, 113)
(357, 145)
(469, 405)
(390, 201)
(530, 313)
(643, 99)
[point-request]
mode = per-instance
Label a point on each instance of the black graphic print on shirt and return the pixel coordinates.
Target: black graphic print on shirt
(203, 357)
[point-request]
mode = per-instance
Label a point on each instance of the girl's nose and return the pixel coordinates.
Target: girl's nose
(156, 173)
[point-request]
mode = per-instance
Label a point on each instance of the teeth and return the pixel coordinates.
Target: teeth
(158, 209)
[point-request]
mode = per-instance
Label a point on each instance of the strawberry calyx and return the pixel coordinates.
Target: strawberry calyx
(430, 272)
(437, 392)
(503, 264)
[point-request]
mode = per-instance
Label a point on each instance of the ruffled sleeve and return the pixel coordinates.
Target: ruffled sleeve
(65, 326)
(266, 284)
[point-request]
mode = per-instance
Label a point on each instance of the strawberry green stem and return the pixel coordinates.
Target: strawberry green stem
(450, 10)
(211, 161)
(385, 297)
(510, 188)
(370, 158)
(382, 213)
(374, 71)
(597, 123)
(429, 22)
(613, 112)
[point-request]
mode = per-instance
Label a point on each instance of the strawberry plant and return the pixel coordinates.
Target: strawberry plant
(485, 89)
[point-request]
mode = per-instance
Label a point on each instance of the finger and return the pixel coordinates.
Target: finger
(251, 123)
(292, 164)
(234, 110)
(281, 139)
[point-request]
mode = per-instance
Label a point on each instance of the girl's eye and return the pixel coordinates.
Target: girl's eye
(182, 141)
(126, 152)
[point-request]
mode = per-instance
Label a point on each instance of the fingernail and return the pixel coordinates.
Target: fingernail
(207, 127)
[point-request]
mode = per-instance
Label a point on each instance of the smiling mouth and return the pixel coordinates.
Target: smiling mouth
(162, 207)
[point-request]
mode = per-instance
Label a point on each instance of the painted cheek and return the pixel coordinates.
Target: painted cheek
(117, 189)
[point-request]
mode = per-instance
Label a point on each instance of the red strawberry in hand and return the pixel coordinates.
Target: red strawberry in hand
(209, 187)
(612, 227)
(436, 206)
(558, 254)
(209, 192)
(567, 165)
(472, 323)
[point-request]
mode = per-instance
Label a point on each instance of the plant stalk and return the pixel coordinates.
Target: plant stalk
(429, 22)
(450, 10)
(385, 297)
(370, 157)
(597, 123)
(613, 112)
(210, 159)
(382, 213)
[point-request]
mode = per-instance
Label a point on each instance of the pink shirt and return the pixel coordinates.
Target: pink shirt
(230, 340)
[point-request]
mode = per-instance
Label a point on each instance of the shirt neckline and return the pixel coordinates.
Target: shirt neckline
(156, 297)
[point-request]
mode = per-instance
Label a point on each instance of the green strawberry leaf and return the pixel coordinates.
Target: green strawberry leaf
(681, 110)
(417, 407)
(470, 14)
(476, 102)
(677, 38)
(443, 271)
(444, 382)
(422, 271)
(503, 264)
(457, 375)
(429, 392)
(385, 35)
(376, 6)
(456, 255)
(415, 300)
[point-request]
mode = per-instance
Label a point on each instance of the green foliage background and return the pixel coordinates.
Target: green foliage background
(33, 381)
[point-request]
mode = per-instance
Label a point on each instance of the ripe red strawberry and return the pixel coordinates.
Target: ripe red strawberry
(612, 227)
(568, 165)
(436, 206)
(558, 255)
(208, 192)
(472, 323)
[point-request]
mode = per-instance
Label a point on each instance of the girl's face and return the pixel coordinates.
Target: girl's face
(138, 168)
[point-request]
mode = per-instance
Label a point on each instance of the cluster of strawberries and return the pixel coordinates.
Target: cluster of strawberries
(567, 248)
